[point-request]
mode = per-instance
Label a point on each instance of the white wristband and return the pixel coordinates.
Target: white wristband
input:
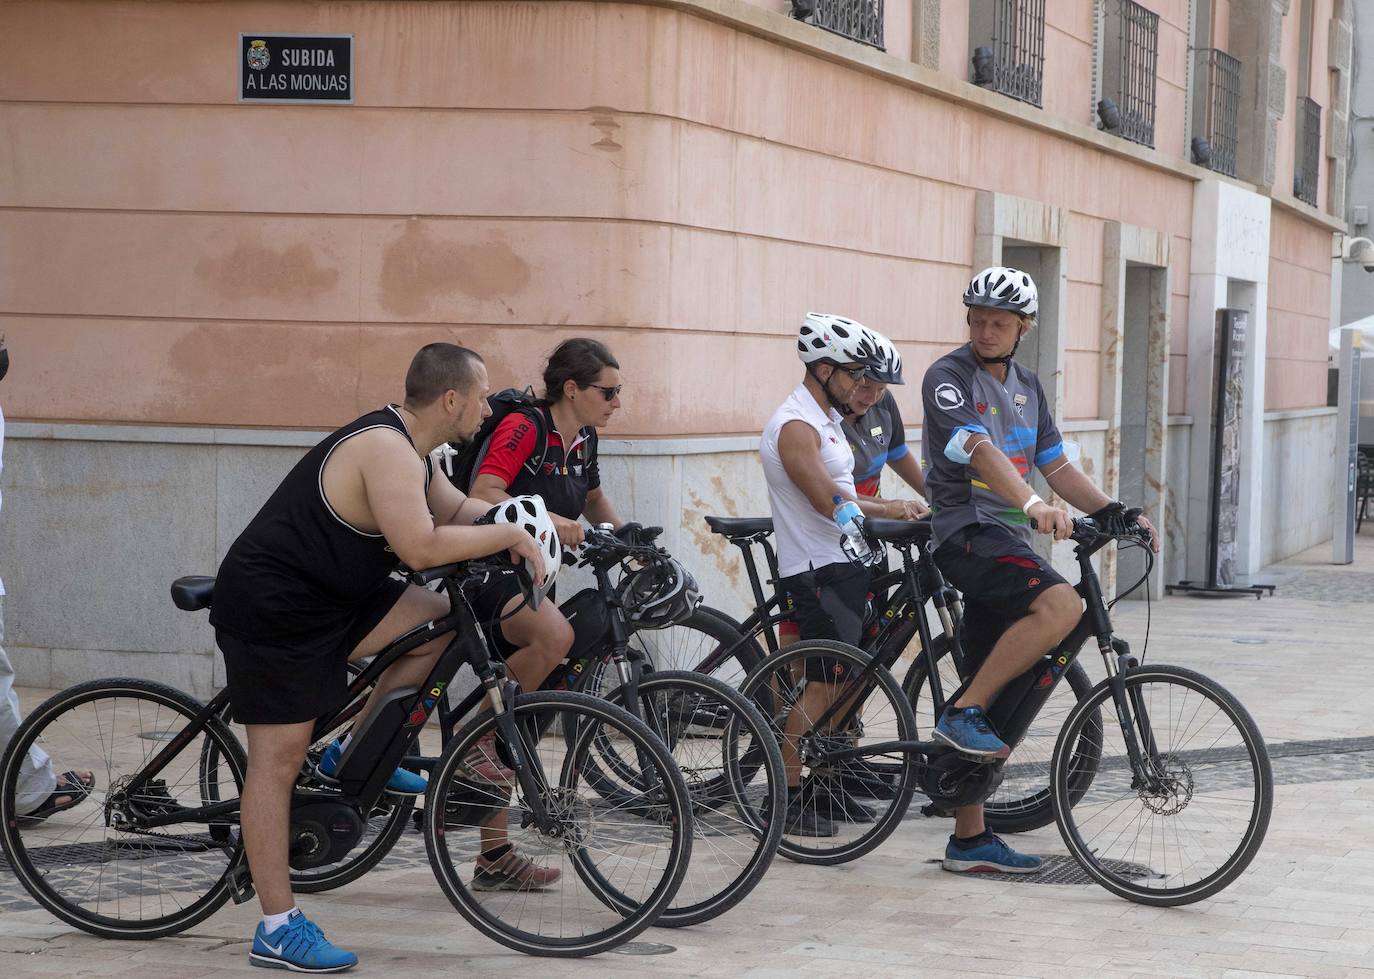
(1034, 499)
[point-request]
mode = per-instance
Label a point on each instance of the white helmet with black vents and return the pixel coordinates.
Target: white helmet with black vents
(828, 339)
(1000, 287)
(530, 514)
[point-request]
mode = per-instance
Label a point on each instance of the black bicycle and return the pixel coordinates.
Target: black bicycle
(723, 746)
(1160, 781)
(898, 627)
(156, 847)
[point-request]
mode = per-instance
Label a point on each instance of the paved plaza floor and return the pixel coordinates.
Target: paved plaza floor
(1302, 661)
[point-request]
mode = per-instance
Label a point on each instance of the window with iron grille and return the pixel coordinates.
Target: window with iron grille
(1308, 154)
(858, 20)
(1216, 108)
(1008, 41)
(1130, 59)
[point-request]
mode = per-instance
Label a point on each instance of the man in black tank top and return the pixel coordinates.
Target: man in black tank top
(307, 586)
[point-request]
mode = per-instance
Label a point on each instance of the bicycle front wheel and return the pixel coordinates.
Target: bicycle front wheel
(90, 865)
(592, 873)
(1189, 820)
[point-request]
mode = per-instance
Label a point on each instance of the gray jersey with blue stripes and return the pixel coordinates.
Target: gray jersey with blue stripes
(959, 395)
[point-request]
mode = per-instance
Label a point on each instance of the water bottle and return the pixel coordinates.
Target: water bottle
(850, 519)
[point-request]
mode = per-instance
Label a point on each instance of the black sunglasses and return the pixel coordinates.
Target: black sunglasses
(610, 394)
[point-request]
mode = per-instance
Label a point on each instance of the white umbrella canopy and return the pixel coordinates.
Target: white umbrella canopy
(1366, 329)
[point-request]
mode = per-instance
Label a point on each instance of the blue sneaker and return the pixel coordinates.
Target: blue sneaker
(300, 946)
(988, 855)
(402, 781)
(969, 731)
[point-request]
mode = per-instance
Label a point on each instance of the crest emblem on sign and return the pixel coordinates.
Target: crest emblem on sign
(258, 55)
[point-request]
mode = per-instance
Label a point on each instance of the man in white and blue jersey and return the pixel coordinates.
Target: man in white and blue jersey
(986, 424)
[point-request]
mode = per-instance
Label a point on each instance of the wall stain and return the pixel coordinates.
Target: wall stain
(254, 269)
(418, 268)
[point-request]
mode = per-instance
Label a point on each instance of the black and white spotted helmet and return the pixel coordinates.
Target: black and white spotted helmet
(530, 514)
(828, 339)
(1003, 288)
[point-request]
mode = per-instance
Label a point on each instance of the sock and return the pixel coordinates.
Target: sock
(496, 852)
(271, 922)
(952, 711)
(969, 842)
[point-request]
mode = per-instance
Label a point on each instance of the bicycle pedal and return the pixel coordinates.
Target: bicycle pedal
(240, 881)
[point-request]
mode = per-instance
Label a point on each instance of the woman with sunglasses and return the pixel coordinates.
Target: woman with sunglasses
(581, 393)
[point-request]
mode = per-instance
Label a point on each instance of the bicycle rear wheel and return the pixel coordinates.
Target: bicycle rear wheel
(707, 642)
(618, 864)
(733, 770)
(79, 864)
(1194, 821)
(834, 795)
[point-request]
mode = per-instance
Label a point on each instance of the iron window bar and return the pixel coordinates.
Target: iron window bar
(1308, 158)
(1218, 107)
(1130, 68)
(1017, 65)
(858, 20)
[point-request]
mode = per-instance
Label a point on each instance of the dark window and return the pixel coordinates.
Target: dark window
(1216, 106)
(858, 20)
(1013, 33)
(1130, 59)
(1308, 154)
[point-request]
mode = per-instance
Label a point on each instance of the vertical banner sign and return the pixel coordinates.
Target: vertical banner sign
(296, 68)
(1232, 327)
(1347, 447)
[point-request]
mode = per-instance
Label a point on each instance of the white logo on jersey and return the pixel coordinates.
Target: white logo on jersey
(949, 397)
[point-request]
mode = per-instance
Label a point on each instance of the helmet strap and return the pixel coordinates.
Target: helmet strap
(835, 402)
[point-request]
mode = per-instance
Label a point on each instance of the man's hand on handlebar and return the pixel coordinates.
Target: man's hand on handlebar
(570, 532)
(1154, 534)
(1051, 520)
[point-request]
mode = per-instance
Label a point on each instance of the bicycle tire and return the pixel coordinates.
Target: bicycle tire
(771, 688)
(1012, 808)
(725, 806)
(464, 807)
(85, 819)
(718, 629)
(1109, 861)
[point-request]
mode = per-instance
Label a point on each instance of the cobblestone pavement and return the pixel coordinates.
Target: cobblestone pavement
(1300, 661)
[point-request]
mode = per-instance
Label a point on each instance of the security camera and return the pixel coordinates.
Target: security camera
(1360, 250)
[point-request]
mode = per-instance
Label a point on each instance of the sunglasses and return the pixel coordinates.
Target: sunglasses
(610, 394)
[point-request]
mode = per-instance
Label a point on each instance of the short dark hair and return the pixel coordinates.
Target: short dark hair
(440, 367)
(580, 360)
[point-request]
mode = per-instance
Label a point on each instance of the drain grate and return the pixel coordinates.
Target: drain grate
(1065, 870)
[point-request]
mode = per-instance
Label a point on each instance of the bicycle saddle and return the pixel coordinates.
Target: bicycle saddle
(898, 531)
(740, 526)
(193, 592)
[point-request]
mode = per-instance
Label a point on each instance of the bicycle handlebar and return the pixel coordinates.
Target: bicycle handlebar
(1115, 521)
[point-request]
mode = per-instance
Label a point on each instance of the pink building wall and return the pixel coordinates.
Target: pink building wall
(166, 249)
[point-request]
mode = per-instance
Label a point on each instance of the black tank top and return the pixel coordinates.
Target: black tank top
(299, 570)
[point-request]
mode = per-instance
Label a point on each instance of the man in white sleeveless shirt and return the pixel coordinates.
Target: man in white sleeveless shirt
(807, 464)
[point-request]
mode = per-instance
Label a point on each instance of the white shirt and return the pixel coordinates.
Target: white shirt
(806, 539)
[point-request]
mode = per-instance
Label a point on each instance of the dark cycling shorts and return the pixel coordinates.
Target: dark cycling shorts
(274, 684)
(999, 577)
(829, 603)
(488, 605)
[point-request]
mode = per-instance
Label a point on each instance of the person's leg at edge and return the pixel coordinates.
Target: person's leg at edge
(275, 754)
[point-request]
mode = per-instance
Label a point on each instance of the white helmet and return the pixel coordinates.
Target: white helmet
(829, 339)
(1000, 287)
(531, 514)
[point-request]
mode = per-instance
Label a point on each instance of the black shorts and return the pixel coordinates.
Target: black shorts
(829, 603)
(488, 605)
(274, 684)
(999, 577)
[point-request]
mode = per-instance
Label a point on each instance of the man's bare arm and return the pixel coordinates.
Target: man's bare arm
(800, 448)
